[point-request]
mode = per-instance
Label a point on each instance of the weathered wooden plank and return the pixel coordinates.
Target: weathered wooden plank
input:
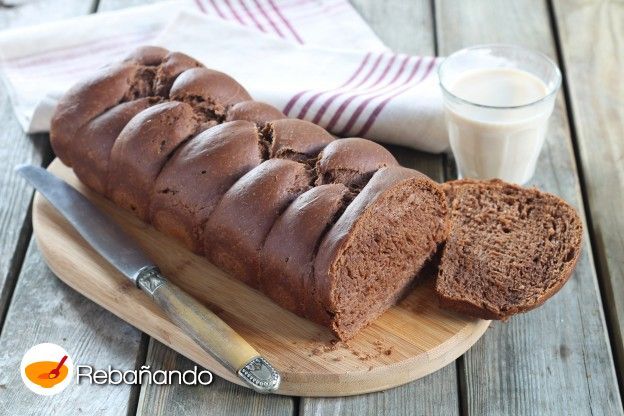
(16, 148)
(219, 398)
(15, 229)
(405, 27)
(42, 308)
(435, 394)
(591, 37)
(555, 360)
(46, 310)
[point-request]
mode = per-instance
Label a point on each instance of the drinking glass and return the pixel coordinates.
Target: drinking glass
(500, 138)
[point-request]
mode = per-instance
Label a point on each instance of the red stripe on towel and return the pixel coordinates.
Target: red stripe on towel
(75, 51)
(200, 6)
(251, 16)
(234, 13)
(355, 94)
(293, 101)
(383, 75)
(285, 21)
(360, 108)
(296, 97)
(321, 111)
(215, 6)
(380, 107)
(268, 19)
(311, 100)
(96, 58)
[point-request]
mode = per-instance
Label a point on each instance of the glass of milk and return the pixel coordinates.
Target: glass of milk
(498, 99)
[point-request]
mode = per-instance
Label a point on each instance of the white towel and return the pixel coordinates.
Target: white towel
(313, 59)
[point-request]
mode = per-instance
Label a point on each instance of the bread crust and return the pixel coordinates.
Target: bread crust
(241, 221)
(93, 143)
(288, 252)
(254, 111)
(198, 175)
(295, 139)
(147, 72)
(85, 101)
(187, 149)
(142, 149)
(217, 90)
(352, 161)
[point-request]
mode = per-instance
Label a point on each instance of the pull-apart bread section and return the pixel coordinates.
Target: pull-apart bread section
(96, 140)
(148, 72)
(196, 177)
(237, 227)
(331, 229)
(369, 257)
(254, 111)
(288, 252)
(141, 151)
(352, 161)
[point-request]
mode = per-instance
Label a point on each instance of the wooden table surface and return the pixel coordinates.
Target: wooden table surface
(565, 358)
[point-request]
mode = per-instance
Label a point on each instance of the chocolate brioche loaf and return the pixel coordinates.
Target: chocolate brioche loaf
(333, 230)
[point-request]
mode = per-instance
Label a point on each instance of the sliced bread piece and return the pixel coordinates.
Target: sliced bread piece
(509, 248)
(370, 257)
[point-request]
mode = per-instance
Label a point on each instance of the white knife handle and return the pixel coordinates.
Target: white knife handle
(209, 331)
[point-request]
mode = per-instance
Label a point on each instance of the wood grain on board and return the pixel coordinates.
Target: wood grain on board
(556, 359)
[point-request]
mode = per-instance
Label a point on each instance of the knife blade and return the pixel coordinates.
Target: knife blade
(121, 251)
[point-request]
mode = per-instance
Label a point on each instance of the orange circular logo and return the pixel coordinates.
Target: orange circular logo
(46, 369)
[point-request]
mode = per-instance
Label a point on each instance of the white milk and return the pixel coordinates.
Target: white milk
(497, 142)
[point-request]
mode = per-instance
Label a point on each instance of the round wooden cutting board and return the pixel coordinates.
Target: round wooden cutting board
(409, 341)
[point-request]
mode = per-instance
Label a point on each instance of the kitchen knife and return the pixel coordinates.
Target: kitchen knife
(112, 243)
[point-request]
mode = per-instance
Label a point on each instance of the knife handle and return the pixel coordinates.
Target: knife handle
(212, 334)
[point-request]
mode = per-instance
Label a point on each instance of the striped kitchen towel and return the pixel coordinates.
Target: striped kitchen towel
(313, 59)
(388, 97)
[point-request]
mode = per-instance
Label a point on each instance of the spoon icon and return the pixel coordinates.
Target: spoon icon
(54, 373)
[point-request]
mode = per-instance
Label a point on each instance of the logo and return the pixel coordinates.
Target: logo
(46, 369)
